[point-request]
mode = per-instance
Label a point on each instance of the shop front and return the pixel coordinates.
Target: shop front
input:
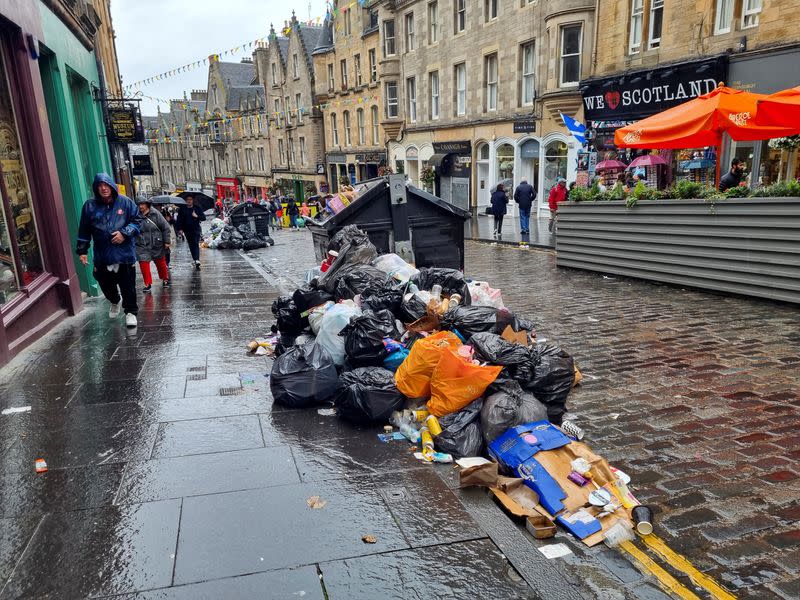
(767, 72)
(337, 169)
(452, 164)
(38, 284)
(228, 189)
(619, 100)
(367, 165)
(255, 188)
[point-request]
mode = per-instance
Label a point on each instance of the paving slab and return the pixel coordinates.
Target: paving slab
(235, 533)
(201, 436)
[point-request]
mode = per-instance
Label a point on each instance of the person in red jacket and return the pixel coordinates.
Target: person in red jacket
(558, 193)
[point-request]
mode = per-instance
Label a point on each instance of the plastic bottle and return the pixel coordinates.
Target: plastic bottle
(405, 427)
(436, 291)
(455, 300)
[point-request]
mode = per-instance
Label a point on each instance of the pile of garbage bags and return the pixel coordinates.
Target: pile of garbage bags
(437, 355)
(224, 236)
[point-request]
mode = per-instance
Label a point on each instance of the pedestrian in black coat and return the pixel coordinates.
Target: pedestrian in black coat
(499, 208)
(188, 223)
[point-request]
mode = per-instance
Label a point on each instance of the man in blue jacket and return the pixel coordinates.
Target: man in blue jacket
(524, 196)
(112, 222)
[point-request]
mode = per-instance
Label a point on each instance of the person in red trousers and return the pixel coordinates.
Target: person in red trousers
(152, 245)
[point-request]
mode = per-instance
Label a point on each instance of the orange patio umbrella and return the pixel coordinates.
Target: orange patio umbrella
(701, 122)
(781, 109)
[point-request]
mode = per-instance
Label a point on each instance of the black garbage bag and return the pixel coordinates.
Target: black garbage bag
(382, 295)
(363, 337)
(411, 309)
(245, 230)
(469, 320)
(552, 380)
(354, 279)
(236, 243)
(253, 244)
(514, 358)
(461, 431)
(288, 316)
(509, 407)
(236, 234)
(368, 395)
(451, 280)
(346, 235)
(303, 376)
(359, 251)
(307, 296)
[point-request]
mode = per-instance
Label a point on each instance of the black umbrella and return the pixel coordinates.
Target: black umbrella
(204, 201)
(166, 200)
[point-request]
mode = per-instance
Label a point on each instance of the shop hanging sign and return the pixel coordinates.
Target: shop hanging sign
(124, 126)
(644, 93)
(141, 164)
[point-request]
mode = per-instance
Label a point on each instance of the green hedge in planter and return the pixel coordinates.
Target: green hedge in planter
(682, 189)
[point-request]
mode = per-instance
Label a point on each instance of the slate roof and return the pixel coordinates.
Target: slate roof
(245, 93)
(237, 73)
(325, 39)
(309, 36)
(283, 47)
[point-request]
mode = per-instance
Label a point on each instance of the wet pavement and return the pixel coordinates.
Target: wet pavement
(172, 476)
(481, 228)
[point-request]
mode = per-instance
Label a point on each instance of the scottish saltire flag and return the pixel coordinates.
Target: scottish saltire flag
(578, 130)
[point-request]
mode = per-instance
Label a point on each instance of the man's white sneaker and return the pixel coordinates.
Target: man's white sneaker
(130, 320)
(114, 311)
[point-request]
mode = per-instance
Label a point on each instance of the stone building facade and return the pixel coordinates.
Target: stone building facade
(472, 91)
(285, 71)
(654, 54)
(346, 63)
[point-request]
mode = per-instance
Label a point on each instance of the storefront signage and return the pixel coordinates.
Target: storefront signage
(320, 169)
(452, 147)
(644, 93)
(124, 126)
(524, 126)
(141, 164)
(530, 149)
(375, 157)
(337, 158)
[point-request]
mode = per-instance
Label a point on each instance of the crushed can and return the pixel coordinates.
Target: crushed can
(433, 425)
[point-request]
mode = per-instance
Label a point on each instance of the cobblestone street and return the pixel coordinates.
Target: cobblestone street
(170, 471)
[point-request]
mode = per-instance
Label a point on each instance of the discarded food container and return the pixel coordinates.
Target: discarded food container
(572, 430)
(402, 219)
(643, 519)
(619, 532)
(433, 425)
(540, 527)
(41, 465)
(427, 439)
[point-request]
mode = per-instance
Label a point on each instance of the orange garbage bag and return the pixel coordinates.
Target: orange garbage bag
(413, 376)
(456, 382)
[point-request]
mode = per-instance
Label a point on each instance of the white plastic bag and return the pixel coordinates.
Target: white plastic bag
(316, 314)
(333, 321)
(395, 267)
(483, 295)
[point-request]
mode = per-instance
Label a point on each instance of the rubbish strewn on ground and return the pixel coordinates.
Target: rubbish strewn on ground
(15, 409)
(223, 235)
(555, 550)
(440, 362)
(40, 465)
(316, 502)
(369, 539)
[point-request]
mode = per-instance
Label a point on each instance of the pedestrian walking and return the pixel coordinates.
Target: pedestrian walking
(733, 177)
(188, 223)
(153, 245)
(278, 208)
(558, 193)
(305, 211)
(293, 211)
(112, 222)
(499, 203)
(524, 196)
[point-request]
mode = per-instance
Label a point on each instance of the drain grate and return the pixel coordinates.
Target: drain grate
(230, 391)
(395, 494)
(196, 377)
(196, 369)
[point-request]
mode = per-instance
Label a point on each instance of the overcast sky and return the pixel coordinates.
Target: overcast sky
(154, 36)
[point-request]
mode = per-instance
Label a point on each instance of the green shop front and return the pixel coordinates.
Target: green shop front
(70, 80)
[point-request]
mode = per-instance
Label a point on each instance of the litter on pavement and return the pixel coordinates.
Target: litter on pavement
(15, 410)
(440, 362)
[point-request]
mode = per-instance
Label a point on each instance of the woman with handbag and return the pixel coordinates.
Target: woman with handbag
(153, 245)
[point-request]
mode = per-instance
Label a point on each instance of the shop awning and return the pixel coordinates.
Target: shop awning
(780, 109)
(700, 122)
(436, 160)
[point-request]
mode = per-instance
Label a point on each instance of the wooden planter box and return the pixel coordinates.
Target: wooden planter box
(748, 246)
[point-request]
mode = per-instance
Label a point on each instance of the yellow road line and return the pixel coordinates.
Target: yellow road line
(665, 579)
(681, 563)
